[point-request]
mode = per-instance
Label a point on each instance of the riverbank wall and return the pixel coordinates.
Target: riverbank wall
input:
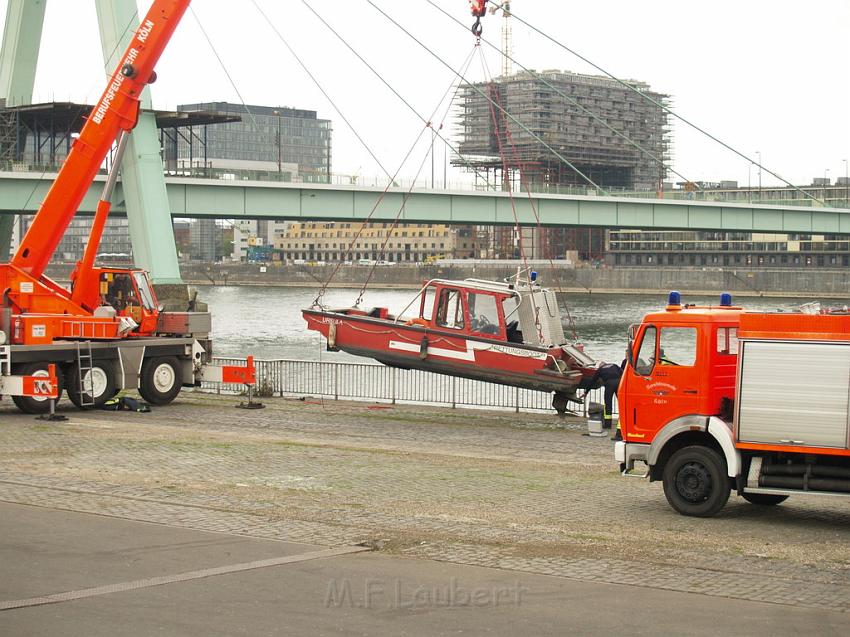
(815, 283)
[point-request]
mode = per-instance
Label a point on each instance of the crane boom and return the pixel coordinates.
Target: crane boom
(116, 111)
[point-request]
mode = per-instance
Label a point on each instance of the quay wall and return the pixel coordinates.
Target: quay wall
(809, 283)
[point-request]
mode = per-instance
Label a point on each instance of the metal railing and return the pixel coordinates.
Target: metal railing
(378, 383)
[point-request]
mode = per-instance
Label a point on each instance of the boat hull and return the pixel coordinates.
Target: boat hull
(439, 351)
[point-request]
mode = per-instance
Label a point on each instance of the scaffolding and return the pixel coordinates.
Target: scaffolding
(547, 120)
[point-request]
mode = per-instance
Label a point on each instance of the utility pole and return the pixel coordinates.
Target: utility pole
(846, 186)
(759, 154)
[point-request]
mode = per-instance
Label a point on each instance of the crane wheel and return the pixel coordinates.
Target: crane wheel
(160, 380)
(28, 404)
(98, 385)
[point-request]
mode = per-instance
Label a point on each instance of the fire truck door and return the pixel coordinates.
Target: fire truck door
(665, 380)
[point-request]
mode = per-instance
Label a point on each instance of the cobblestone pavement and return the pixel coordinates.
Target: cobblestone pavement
(525, 492)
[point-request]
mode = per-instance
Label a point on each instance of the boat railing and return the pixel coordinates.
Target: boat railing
(379, 383)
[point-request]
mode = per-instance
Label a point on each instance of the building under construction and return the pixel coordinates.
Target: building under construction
(558, 118)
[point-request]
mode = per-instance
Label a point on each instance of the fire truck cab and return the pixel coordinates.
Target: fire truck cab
(715, 398)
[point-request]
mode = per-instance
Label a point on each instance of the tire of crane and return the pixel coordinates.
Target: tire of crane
(160, 380)
(764, 499)
(695, 481)
(28, 404)
(102, 376)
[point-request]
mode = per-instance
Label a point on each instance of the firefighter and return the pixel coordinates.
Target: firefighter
(609, 375)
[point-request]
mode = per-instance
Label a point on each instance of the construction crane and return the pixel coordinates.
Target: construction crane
(507, 40)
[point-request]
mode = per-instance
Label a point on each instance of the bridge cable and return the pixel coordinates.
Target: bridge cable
(323, 91)
(451, 147)
(480, 92)
(223, 67)
(571, 100)
(665, 108)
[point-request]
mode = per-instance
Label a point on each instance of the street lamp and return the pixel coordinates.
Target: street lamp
(758, 152)
(846, 185)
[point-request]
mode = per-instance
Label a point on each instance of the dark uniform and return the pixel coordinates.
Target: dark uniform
(608, 375)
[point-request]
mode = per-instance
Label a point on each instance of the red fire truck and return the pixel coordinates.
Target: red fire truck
(715, 398)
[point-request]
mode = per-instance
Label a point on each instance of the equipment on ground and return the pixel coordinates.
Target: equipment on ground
(715, 398)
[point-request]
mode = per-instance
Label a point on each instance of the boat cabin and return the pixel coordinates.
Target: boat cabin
(515, 313)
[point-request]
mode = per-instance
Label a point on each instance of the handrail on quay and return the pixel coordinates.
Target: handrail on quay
(378, 383)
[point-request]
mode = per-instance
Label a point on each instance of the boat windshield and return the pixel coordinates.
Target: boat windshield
(483, 313)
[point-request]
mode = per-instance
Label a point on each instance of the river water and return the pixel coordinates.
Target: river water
(267, 322)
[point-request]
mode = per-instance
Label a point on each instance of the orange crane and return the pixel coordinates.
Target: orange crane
(107, 332)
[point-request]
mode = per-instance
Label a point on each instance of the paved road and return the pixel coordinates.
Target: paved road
(46, 551)
(523, 493)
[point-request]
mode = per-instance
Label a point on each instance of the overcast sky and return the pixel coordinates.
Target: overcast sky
(763, 75)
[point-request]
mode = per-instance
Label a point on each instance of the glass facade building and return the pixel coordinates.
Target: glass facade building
(268, 138)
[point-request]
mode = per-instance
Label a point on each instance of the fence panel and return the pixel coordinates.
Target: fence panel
(359, 381)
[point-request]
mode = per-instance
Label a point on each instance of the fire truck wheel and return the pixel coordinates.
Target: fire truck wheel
(695, 481)
(98, 385)
(30, 405)
(764, 499)
(160, 380)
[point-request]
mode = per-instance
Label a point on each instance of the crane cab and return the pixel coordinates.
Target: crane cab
(130, 293)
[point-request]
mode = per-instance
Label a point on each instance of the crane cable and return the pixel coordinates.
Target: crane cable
(667, 109)
(395, 92)
(506, 180)
(571, 100)
(429, 124)
(524, 184)
(480, 92)
(317, 302)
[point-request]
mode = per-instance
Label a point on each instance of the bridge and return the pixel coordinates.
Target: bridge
(215, 198)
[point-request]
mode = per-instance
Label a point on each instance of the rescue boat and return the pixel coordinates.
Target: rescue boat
(501, 332)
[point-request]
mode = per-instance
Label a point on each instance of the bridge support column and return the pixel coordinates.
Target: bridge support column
(151, 230)
(18, 60)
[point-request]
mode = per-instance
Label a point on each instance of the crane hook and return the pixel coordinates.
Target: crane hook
(477, 28)
(479, 10)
